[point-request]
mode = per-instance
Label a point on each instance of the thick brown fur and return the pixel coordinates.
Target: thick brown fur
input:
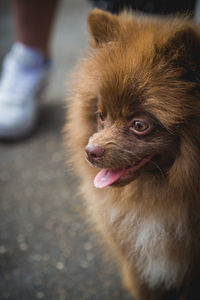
(152, 223)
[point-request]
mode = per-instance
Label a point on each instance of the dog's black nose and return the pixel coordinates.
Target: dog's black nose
(94, 152)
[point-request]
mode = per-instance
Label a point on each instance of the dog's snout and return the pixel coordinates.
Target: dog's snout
(94, 152)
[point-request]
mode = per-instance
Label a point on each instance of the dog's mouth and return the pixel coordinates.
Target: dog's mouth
(107, 177)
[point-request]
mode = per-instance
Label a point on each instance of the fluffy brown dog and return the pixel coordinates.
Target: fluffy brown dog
(135, 110)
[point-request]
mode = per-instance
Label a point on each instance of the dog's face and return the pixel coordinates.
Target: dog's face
(143, 101)
(127, 144)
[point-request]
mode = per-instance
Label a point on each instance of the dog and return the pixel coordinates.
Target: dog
(133, 129)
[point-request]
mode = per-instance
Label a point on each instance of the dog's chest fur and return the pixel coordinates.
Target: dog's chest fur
(147, 243)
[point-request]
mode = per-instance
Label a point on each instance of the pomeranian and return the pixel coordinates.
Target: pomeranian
(134, 131)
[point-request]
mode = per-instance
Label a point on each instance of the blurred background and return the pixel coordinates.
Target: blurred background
(46, 248)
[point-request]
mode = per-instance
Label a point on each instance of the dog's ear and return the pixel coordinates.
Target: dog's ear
(103, 27)
(182, 49)
(184, 45)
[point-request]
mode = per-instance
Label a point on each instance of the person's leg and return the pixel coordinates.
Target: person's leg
(33, 21)
(25, 67)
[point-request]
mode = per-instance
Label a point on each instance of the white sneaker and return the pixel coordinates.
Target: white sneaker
(24, 72)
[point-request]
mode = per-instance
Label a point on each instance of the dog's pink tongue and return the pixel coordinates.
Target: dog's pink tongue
(106, 177)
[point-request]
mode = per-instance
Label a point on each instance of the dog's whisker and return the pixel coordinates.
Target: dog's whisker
(158, 167)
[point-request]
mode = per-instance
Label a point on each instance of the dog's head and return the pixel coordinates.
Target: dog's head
(147, 94)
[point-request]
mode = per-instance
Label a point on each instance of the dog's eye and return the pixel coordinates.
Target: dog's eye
(101, 116)
(140, 126)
